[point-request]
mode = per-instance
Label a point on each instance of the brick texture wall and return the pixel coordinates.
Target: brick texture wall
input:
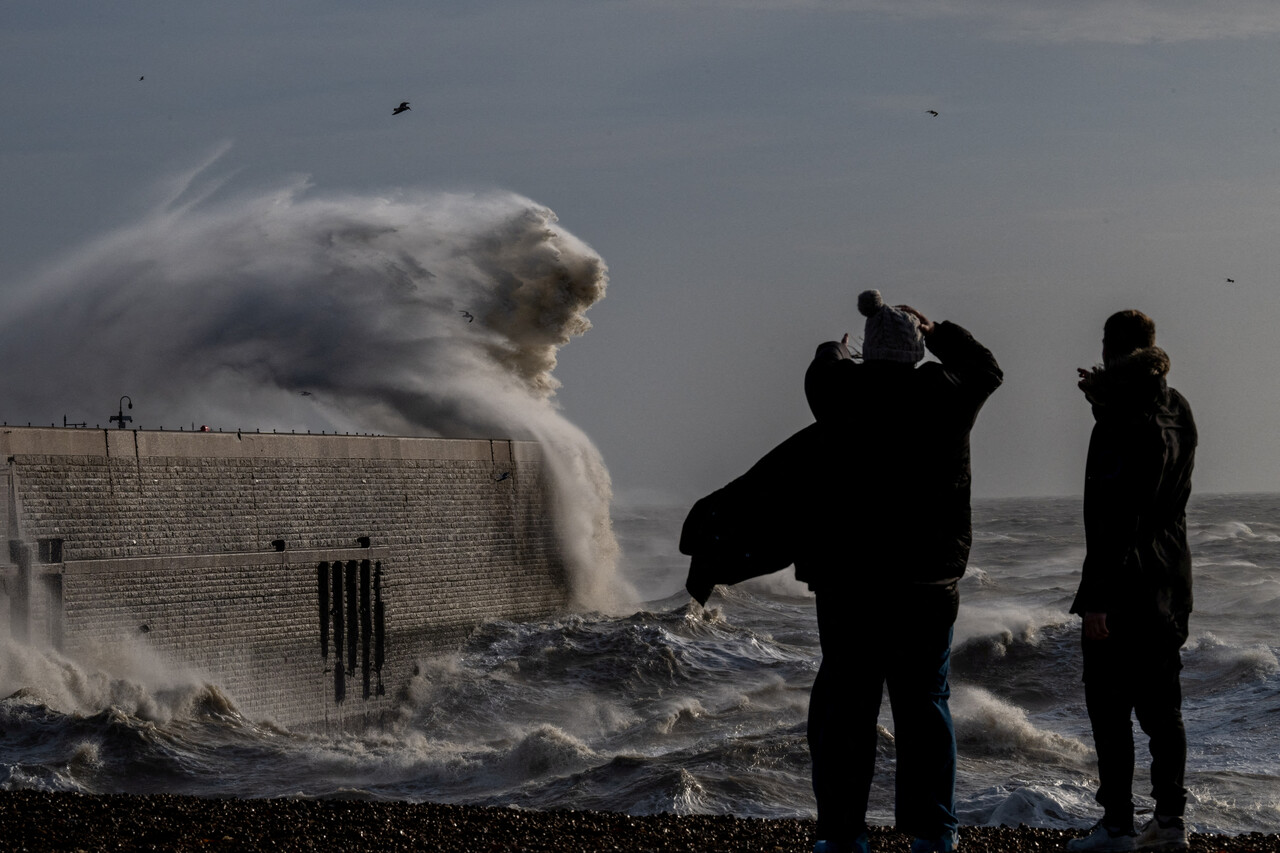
(169, 542)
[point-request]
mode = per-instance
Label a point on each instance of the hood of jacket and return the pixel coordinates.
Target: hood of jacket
(1137, 379)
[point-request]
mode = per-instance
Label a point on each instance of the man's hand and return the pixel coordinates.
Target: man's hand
(1095, 626)
(926, 328)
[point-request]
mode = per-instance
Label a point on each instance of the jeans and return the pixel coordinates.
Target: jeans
(1129, 674)
(904, 643)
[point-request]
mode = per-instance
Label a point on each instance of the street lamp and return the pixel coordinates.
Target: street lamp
(122, 417)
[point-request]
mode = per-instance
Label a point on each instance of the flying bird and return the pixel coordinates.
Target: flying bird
(305, 393)
(471, 318)
(505, 475)
(933, 113)
(143, 77)
(1231, 281)
(404, 105)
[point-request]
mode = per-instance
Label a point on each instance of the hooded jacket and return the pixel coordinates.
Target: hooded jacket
(1137, 567)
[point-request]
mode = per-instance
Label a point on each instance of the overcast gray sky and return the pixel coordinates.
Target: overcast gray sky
(744, 169)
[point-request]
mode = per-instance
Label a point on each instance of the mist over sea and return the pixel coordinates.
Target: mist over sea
(669, 708)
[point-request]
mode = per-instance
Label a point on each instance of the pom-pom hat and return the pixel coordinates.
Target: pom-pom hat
(890, 334)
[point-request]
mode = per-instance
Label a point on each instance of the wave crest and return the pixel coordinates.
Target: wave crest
(987, 725)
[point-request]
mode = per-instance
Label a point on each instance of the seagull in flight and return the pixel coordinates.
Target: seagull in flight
(471, 318)
(404, 105)
(933, 113)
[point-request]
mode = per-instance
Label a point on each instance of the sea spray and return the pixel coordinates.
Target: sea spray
(409, 312)
(125, 676)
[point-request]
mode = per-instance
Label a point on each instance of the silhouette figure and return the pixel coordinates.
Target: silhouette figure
(404, 105)
(1137, 483)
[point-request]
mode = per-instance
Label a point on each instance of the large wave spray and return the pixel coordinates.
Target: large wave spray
(412, 313)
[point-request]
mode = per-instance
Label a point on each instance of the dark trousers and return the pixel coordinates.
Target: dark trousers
(866, 645)
(1126, 676)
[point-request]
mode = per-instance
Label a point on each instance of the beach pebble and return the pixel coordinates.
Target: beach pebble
(31, 820)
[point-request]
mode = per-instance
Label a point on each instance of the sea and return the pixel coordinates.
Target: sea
(671, 707)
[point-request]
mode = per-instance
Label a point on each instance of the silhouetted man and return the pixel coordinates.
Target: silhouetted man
(886, 557)
(1135, 589)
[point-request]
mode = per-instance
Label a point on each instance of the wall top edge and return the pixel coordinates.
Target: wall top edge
(304, 560)
(55, 441)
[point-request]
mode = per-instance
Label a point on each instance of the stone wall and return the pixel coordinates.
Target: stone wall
(293, 570)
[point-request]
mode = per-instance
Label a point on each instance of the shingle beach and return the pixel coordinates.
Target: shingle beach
(38, 821)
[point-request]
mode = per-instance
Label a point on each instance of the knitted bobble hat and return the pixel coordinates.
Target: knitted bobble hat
(890, 334)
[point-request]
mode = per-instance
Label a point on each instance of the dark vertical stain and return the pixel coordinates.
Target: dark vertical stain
(20, 596)
(50, 549)
(379, 625)
(366, 626)
(137, 460)
(322, 587)
(353, 617)
(53, 589)
(339, 677)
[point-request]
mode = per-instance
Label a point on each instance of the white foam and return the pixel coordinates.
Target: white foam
(128, 678)
(1228, 530)
(781, 583)
(1002, 623)
(988, 725)
(1209, 657)
(1036, 804)
(546, 751)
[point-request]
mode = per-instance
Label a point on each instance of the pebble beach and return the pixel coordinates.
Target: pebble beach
(38, 821)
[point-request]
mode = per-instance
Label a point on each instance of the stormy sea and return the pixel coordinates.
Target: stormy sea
(669, 707)
(418, 313)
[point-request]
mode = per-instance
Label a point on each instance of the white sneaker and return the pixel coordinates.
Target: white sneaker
(1163, 833)
(1105, 839)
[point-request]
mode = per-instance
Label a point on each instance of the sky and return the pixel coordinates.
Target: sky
(743, 167)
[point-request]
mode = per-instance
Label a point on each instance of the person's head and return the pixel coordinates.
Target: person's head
(1124, 333)
(890, 334)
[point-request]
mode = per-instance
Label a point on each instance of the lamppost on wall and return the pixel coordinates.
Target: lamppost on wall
(122, 417)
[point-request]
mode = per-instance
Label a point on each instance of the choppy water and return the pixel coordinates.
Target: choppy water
(673, 709)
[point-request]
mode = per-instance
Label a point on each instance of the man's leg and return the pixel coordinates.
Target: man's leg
(926, 740)
(1108, 698)
(1158, 705)
(843, 709)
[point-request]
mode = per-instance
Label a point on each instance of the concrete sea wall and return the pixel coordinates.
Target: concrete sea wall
(304, 574)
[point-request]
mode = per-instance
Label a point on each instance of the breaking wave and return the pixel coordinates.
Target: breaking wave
(408, 312)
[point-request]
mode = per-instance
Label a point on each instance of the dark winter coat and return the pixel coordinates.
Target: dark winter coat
(760, 522)
(1137, 567)
(899, 454)
(876, 492)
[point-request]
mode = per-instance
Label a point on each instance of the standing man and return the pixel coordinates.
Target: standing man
(890, 539)
(1135, 589)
